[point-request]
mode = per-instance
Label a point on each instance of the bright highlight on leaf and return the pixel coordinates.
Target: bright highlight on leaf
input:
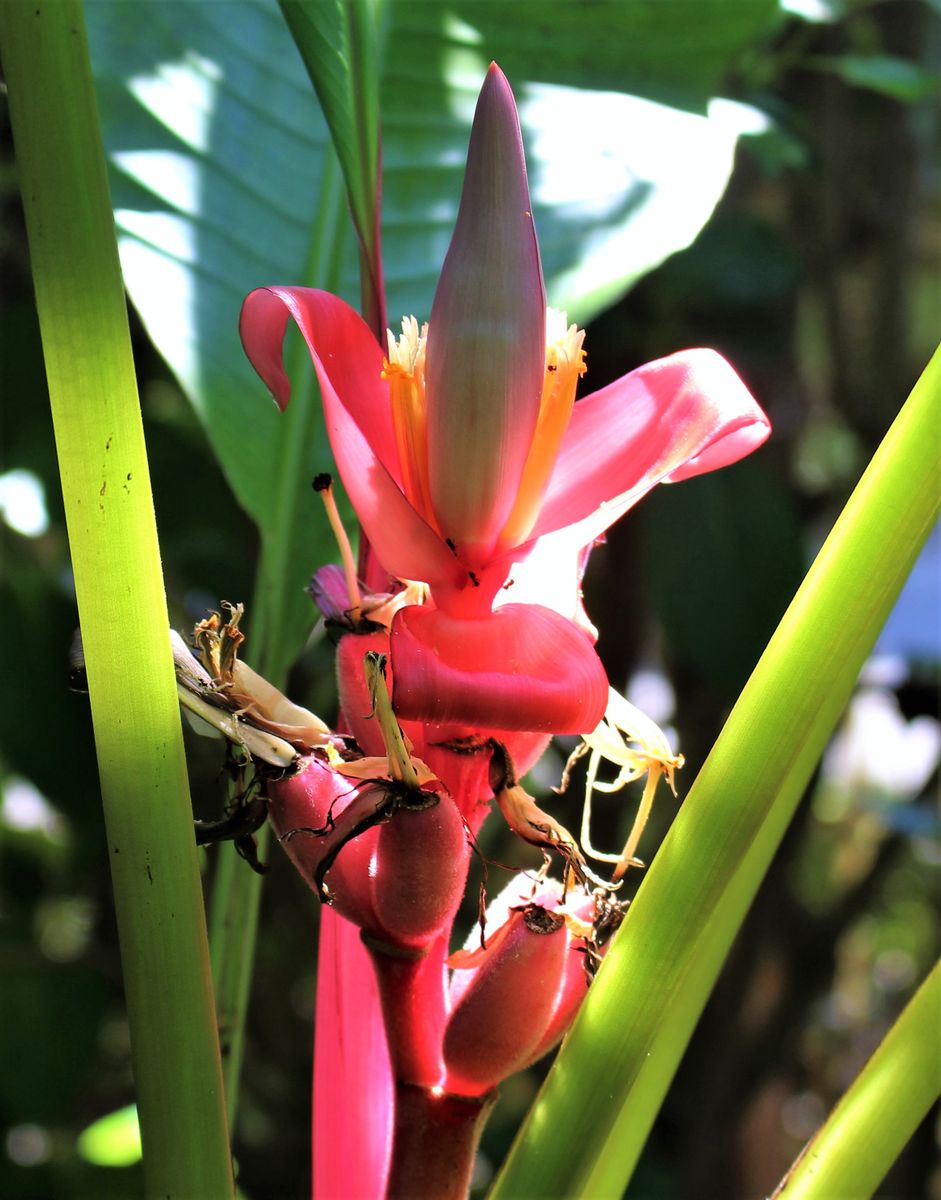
(113, 1140)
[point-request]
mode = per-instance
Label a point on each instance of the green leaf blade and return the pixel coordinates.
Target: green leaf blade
(339, 44)
(860, 1140)
(122, 607)
(887, 74)
(582, 1140)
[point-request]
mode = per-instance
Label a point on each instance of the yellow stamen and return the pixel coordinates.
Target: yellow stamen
(323, 485)
(404, 370)
(565, 363)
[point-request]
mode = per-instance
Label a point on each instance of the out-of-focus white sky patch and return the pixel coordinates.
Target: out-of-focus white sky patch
(877, 755)
(651, 692)
(24, 808)
(23, 503)
(884, 670)
(28, 1145)
(63, 927)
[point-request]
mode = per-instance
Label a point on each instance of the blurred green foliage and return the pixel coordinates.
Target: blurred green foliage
(818, 277)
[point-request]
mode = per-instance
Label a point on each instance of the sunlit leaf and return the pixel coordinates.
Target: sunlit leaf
(113, 1140)
(584, 1140)
(223, 180)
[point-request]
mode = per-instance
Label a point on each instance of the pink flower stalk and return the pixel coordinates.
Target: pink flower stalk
(463, 449)
(391, 857)
(351, 1141)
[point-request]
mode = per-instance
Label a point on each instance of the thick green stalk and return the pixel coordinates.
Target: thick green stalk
(234, 907)
(119, 586)
(272, 649)
(883, 1106)
(592, 1117)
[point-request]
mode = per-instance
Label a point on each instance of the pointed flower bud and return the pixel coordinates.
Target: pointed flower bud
(485, 358)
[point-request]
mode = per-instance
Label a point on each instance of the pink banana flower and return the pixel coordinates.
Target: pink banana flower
(465, 453)
(474, 471)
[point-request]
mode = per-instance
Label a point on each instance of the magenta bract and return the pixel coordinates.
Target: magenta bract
(532, 669)
(486, 361)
